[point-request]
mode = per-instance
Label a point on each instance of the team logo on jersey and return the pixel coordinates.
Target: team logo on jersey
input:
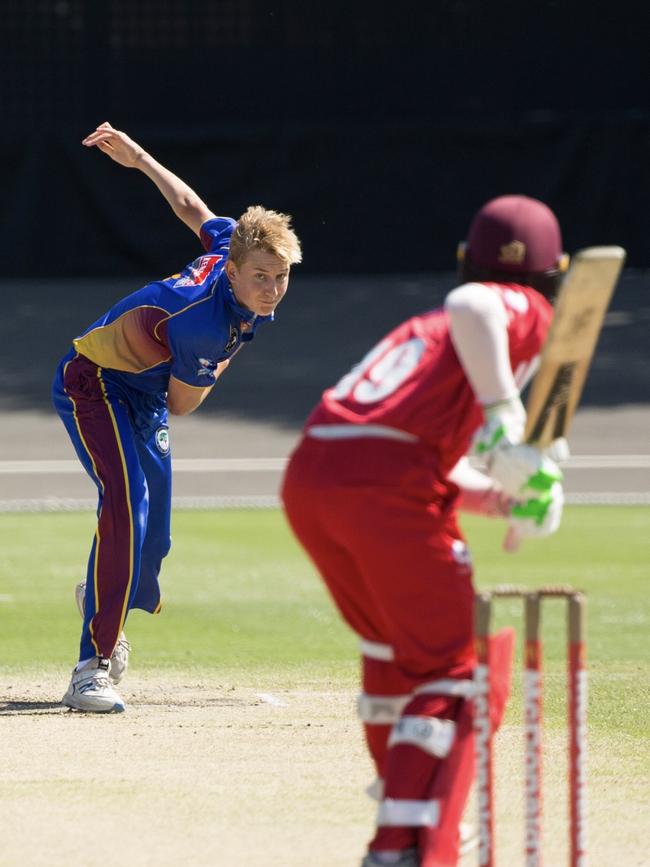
(232, 339)
(162, 440)
(513, 253)
(199, 270)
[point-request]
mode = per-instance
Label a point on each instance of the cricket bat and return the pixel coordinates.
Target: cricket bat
(580, 309)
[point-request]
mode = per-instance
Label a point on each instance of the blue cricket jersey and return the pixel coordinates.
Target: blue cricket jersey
(183, 326)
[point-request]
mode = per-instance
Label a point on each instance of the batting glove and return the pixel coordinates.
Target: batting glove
(535, 517)
(523, 471)
(504, 425)
(538, 510)
(558, 450)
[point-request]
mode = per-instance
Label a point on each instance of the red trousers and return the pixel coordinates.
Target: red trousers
(380, 527)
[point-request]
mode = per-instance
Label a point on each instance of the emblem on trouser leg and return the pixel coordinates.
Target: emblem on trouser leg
(162, 440)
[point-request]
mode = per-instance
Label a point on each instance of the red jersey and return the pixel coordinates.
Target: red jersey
(413, 380)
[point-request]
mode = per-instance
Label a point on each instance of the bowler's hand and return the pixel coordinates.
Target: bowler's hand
(116, 144)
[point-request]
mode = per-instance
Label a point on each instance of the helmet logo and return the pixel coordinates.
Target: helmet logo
(513, 253)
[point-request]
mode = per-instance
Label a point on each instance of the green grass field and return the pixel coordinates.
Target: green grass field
(240, 599)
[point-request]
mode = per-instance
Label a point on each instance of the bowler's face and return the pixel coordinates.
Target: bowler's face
(260, 282)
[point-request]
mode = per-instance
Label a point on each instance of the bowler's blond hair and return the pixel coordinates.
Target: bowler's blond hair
(268, 231)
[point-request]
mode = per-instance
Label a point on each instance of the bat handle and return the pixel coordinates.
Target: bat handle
(512, 540)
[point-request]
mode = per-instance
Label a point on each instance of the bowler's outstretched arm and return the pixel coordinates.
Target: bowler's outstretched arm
(182, 199)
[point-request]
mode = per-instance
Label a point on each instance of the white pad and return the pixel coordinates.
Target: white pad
(381, 709)
(376, 650)
(434, 736)
(447, 686)
(409, 814)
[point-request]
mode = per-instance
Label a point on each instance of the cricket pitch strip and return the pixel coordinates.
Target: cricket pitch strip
(202, 772)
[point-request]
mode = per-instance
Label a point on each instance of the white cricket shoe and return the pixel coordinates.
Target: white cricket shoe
(120, 659)
(468, 838)
(120, 656)
(91, 689)
(408, 858)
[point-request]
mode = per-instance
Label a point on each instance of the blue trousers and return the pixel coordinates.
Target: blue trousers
(121, 438)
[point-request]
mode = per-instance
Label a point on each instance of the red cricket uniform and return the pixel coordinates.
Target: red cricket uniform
(366, 493)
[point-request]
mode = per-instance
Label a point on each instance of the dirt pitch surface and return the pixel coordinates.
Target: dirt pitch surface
(201, 772)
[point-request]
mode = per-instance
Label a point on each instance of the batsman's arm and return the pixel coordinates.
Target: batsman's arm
(479, 494)
(184, 202)
(478, 326)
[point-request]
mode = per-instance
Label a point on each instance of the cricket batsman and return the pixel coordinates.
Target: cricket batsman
(160, 350)
(372, 492)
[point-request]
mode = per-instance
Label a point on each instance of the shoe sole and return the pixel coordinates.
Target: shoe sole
(116, 708)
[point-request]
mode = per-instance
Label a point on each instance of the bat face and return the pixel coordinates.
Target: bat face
(553, 421)
(579, 312)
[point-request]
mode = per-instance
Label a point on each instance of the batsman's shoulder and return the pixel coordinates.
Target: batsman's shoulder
(474, 300)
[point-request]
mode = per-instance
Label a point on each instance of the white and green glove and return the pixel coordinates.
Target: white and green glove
(539, 516)
(535, 481)
(523, 472)
(504, 425)
(536, 516)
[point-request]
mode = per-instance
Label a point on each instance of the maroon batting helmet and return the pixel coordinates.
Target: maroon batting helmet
(514, 238)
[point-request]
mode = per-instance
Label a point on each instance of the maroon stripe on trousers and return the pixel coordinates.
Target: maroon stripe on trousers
(113, 555)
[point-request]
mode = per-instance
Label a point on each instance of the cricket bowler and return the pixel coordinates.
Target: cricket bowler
(160, 350)
(372, 492)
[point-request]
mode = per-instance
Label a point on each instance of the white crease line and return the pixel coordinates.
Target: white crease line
(269, 698)
(602, 462)
(609, 498)
(264, 501)
(82, 504)
(276, 465)
(181, 465)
